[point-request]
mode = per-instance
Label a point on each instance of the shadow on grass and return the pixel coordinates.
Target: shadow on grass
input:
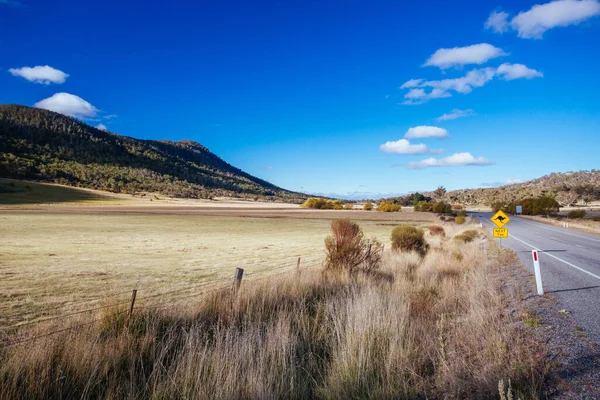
(15, 192)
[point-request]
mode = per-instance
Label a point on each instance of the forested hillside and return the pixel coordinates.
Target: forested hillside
(46, 146)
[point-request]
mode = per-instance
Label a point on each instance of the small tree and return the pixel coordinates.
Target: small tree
(346, 249)
(439, 192)
(368, 206)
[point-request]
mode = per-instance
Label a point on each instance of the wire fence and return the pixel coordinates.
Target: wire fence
(13, 335)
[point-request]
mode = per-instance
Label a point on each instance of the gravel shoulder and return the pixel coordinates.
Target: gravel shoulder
(573, 358)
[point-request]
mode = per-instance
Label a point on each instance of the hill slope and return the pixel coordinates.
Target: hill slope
(567, 188)
(47, 146)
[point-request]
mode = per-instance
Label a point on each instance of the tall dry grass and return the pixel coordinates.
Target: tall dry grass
(436, 330)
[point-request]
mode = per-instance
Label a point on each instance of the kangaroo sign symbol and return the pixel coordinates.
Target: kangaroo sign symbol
(500, 219)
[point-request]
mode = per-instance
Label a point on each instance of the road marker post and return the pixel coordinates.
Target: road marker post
(538, 272)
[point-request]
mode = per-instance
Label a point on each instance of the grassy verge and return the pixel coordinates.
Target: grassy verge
(420, 327)
(14, 192)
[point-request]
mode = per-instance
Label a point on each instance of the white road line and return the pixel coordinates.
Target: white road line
(559, 259)
(541, 225)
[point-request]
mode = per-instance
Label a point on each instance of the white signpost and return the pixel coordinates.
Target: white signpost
(538, 272)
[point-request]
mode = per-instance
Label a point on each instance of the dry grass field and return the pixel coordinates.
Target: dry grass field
(432, 327)
(418, 327)
(53, 259)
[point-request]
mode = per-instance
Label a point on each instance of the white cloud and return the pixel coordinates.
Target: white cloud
(533, 23)
(497, 21)
(424, 131)
(509, 72)
(40, 74)
(403, 146)
(465, 84)
(411, 83)
(455, 160)
(473, 79)
(419, 96)
(110, 116)
(102, 127)
(459, 56)
(455, 114)
(68, 104)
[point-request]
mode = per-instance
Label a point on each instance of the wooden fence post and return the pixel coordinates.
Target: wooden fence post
(369, 250)
(298, 266)
(237, 279)
(133, 295)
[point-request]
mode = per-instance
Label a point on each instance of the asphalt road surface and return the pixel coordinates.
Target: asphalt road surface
(569, 261)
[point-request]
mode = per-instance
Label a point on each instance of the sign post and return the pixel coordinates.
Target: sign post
(500, 219)
(519, 210)
(538, 272)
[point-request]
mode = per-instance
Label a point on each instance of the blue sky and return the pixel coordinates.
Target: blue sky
(308, 94)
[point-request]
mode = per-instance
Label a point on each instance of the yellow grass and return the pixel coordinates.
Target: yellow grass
(59, 260)
(436, 330)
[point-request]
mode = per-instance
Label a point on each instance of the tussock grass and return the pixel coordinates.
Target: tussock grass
(437, 329)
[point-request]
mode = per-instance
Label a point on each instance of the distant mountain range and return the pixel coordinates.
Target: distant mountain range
(569, 188)
(46, 146)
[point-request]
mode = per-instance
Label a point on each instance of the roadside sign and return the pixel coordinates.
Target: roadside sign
(500, 219)
(519, 209)
(501, 233)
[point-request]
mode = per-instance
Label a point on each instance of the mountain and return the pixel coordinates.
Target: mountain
(43, 145)
(567, 188)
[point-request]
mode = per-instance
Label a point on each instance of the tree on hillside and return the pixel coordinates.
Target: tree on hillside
(439, 192)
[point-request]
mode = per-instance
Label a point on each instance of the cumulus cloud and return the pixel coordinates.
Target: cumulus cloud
(403, 146)
(473, 79)
(459, 56)
(455, 160)
(455, 114)
(102, 127)
(40, 74)
(425, 131)
(497, 21)
(533, 23)
(517, 71)
(68, 104)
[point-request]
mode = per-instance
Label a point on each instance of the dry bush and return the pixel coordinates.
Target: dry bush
(436, 230)
(346, 249)
(573, 214)
(467, 236)
(409, 238)
(348, 206)
(368, 206)
(459, 220)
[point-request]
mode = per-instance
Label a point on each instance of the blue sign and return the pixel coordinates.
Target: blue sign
(519, 209)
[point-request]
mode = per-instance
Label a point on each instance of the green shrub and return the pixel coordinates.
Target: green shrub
(461, 213)
(409, 238)
(576, 214)
(388, 207)
(436, 230)
(467, 236)
(459, 220)
(322, 204)
(368, 206)
(442, 208)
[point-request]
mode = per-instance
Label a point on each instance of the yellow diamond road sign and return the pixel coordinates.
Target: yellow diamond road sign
(500, 219)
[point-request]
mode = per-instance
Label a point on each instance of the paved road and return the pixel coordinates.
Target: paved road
(570, 264)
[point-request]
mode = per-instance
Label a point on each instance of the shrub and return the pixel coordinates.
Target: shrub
(346, 249)
(348, 206)
(457, 207)
(461, 213)
(388, 207)
(409, 238)
(576, 214)
(322, 204)
(467, 236)
(442, 208)
(436, 230)
(368, 206)
(459, 220)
